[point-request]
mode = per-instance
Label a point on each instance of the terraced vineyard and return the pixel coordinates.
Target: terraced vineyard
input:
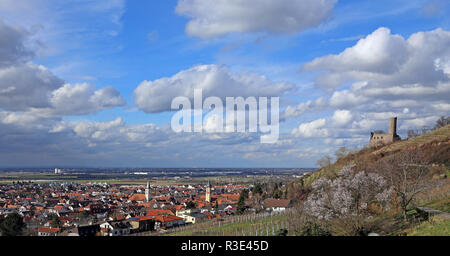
(264, 224)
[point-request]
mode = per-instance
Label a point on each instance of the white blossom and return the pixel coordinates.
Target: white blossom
(349, 194)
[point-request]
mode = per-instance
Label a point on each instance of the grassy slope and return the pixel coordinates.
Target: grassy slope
(436, 226)
(439, 135)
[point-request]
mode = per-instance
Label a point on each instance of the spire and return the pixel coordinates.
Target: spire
(147, 192)
(208, 193)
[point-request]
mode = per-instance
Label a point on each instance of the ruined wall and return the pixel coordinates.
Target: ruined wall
(378, 139)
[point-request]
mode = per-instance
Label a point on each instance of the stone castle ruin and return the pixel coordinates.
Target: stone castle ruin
(378, 139)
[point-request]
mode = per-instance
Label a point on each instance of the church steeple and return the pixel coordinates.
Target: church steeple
(147, 193)
(208, 193)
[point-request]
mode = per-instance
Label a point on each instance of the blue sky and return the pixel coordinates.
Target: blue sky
(350, 65)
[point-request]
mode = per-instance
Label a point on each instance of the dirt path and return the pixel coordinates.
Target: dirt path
(435, 212)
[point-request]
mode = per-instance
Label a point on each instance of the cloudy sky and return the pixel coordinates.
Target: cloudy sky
(88, 83)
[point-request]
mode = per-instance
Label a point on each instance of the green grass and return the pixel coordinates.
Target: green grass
(436, 226)
(441, 205)
(327, 172)
(442, 134)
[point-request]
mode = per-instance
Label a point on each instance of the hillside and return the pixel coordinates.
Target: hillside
(418, 171)
(434, 145)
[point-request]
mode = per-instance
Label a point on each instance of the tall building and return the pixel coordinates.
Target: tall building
(147, 192)
(378, 139)
(208, 193)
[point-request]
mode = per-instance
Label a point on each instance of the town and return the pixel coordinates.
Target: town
(101, 209)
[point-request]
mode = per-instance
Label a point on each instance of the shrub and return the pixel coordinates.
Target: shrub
(311, 228)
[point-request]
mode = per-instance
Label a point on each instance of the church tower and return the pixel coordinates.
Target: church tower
(208, 193)
(147, 193)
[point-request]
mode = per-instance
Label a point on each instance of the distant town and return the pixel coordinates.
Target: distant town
(68, 208)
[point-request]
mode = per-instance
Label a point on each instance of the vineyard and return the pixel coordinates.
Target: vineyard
(261, 224)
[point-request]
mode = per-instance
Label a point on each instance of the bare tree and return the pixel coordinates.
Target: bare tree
(343, 152)
(408, 174)
(426, 129)
(324, 161)
(413, 134)
(441, 122)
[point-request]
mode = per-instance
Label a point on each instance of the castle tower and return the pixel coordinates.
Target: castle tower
(208, 193)
(393, 126)
(147, 193)
(379, 138)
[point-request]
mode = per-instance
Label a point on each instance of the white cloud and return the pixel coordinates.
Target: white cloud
(312, 129)
(216, 81)
(26, 85)
(379, 52)
(390, 76)
(418, 123)
(35, 90)
(383, 59)
(14, 45)
(341, 117)
(216, 18)
(304, 107)
(79, 99)
(346, 98)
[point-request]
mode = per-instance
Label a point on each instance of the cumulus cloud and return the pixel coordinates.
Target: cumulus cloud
(25, 86)
(13, 45)
(390, 76)
(383, 59)
(379, 52)
(304, 107)
(34, 90)
(115, 132)
(80, 99)
(216, 81)
(216, 18)
(311, 129)
(341, 117)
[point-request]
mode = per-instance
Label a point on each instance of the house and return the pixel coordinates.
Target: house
(115, 228)
(86, 231)
(229, 209)
(195, 217)
(142, 224)
(276, 205)
(47, 231)
(168, 221)
(140, 198)
(157, 212)
(182, 213)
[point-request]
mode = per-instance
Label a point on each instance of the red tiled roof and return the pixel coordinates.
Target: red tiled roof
(157, 212)
(48, 230)
(276, 203)
(167, 218)
(146, 218)
(137, 197)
